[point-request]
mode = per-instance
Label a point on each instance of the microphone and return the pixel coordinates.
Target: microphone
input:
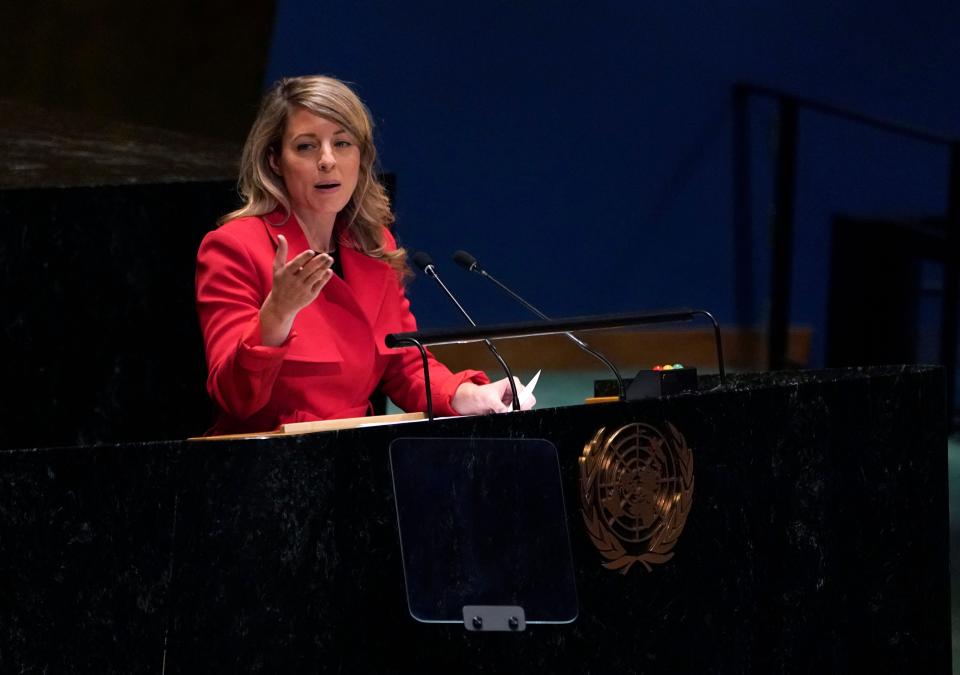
(425, 263)
(469, 263)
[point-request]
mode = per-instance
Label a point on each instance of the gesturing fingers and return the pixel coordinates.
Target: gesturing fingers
(298, 282)
(319, 280)
(308, 264)
(281, 257)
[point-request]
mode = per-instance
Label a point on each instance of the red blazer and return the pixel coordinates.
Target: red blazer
(334, 357)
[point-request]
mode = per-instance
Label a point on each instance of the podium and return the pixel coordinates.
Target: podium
(808, 532)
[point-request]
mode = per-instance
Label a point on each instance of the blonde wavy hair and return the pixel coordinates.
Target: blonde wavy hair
(367, 212)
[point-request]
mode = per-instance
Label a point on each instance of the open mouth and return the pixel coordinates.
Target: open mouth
(326, 187)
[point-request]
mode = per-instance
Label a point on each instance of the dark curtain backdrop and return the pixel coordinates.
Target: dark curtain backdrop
(188, 65)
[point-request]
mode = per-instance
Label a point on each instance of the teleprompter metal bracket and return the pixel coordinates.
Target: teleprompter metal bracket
(494, 618)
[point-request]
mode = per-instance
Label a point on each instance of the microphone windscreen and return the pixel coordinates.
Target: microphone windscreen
(464, 259)
(422, 260)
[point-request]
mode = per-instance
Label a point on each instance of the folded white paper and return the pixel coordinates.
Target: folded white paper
(527, 391)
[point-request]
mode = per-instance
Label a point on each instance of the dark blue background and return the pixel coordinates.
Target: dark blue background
(582, 151)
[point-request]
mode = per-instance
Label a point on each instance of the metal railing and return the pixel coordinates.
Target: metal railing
(788, 108)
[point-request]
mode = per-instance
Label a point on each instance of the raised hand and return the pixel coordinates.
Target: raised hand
(296, 283)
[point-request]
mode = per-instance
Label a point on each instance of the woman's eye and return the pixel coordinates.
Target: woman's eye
(303, 147)
(344, 144)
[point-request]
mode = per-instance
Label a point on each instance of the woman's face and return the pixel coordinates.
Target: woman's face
(320, 163)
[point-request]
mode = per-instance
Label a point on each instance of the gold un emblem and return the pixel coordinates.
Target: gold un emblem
(636, 489)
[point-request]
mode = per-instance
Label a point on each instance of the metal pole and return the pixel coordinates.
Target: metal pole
(743, 282)
(782, 264)
(948, 327)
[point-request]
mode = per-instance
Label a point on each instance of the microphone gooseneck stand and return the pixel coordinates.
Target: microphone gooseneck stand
(469, 263)
(425, 263)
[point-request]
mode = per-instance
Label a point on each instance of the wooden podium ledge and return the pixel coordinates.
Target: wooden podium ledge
(297, 428)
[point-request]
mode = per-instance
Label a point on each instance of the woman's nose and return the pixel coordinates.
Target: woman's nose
(327, 161)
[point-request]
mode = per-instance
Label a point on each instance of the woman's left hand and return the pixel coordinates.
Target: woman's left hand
(483, 399)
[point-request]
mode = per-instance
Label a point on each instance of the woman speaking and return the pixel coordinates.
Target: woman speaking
(297, 288)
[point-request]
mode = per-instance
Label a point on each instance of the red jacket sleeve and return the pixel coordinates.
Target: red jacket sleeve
(241, 370)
